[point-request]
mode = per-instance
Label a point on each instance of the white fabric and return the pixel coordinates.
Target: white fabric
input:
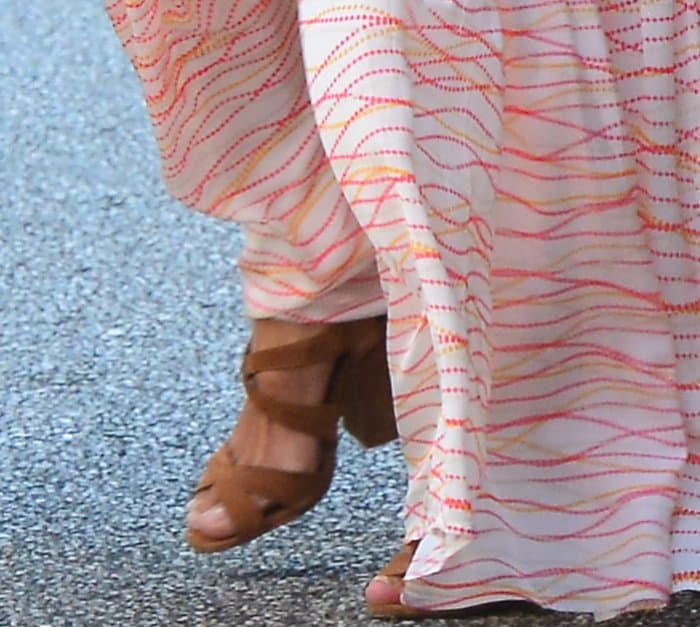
(528, 175)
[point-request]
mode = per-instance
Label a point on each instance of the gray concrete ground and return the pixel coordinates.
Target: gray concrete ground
(120, 335)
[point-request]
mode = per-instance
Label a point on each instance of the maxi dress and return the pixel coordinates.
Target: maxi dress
(516, 183)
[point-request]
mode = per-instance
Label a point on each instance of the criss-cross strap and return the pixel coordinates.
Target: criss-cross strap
(257, 498)
(325, 346)
(241, 489)
(220, 475)
(319, 421)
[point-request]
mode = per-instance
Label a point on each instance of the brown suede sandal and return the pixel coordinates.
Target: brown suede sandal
(358, 389)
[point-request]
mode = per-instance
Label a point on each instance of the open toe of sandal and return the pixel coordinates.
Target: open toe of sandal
(385, 590)
(287, 495)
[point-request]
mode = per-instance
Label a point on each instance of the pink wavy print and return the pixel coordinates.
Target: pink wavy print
(518, 185)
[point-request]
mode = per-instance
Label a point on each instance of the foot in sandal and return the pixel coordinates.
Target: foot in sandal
(383, 594)
(280, 458)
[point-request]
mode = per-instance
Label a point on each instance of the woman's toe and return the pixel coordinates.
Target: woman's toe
(384, 591)
(209, 517)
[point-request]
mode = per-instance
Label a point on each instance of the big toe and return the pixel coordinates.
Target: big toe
(209, 517)
(384, 591)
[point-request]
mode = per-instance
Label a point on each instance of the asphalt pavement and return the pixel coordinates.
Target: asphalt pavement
(120, 335)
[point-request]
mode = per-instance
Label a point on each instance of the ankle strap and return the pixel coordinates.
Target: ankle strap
(319, 421)
(327, 345)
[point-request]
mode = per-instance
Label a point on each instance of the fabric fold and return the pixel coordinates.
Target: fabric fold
(518, 184)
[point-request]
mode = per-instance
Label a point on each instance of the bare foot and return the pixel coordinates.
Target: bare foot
(258, 441)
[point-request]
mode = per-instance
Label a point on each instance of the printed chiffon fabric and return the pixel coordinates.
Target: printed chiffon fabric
(518, 185)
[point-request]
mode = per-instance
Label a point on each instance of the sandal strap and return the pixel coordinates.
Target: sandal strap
(235, 486)
(319, 421)
(398, 565)
(327, 345)
(220, 476)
